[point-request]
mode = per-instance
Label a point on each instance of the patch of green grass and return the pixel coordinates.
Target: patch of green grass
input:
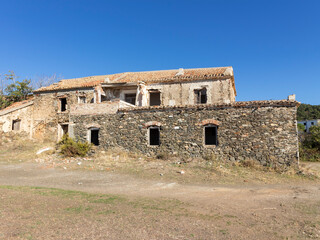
(165, 205)
(223, 231)
(79, 209)
(108, 200)
(74, 209)
(106, 212)
(230, 216)
(91, 197)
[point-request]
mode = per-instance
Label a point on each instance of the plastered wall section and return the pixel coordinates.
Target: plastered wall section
(110, 107)
(24, 114)
(218, 91)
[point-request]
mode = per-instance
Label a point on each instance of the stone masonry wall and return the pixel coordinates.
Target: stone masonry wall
(47, 115)
(264, 131)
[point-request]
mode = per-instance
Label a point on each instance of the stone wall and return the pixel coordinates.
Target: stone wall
(46, 112)
(264, 131)
(22, 113)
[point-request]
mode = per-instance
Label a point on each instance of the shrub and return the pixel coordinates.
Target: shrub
(310, 145)
(72, 148)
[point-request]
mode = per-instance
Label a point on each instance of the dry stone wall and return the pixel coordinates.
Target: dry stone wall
(262, 131)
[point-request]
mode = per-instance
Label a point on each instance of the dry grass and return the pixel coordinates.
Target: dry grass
(208, 169)
(16, 148)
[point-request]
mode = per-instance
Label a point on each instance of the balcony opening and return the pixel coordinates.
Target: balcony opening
(63, 104)
(200, 96)
(130, 98)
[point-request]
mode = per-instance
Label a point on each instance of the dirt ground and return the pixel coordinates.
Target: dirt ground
(117, 195)
(106, 205)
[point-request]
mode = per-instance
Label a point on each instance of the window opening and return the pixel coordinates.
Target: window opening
(16, 125)
(210, 133)
(130, 98)
(200, 96)
(82, 99)
(154, 136)
(63, 104)
(94, 136)
(65, 129)
(155, 98)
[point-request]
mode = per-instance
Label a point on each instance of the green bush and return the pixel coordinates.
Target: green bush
(309, 154)
(310, 145)
(301, 127)
(72, 148)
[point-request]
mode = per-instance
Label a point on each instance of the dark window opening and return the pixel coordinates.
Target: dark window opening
(16, 125)
(65, 129)
(200, 96)
(312, 123)
(210, 133)
(104, 98)
(82, 99)
(63, 104)
(130, 98)
(305, 124)
(94, 138)
(155, 99)
(154, 136)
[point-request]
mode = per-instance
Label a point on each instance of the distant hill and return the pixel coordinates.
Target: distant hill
(308, 112)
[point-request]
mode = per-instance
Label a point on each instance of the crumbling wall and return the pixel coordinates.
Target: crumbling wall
(218, 91)
(263, 131)
(24, 115)
(110, 107)
(47, 114)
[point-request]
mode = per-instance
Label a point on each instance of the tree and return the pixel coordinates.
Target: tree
(301, 127)
(308, 112)
(18, 90)
(45, 80)
(12, 90)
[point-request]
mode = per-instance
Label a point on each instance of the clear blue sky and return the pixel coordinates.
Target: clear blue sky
(273, 46)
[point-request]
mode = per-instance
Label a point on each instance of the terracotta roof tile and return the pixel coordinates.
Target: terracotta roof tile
(16, 105)
(148, 77)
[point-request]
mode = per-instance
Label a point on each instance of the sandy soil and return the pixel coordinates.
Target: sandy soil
(287, 210)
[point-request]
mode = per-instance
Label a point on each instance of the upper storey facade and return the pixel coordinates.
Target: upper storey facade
(166, 88)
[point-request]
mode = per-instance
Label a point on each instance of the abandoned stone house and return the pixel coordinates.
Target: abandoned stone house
(188, 112)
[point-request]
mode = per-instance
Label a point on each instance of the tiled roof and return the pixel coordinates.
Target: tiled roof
(147, 77)
(16, 105)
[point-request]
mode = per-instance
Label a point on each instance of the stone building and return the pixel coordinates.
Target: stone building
(189, 112)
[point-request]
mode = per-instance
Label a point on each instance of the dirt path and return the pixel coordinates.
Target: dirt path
(29, 174)
(282, 210)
